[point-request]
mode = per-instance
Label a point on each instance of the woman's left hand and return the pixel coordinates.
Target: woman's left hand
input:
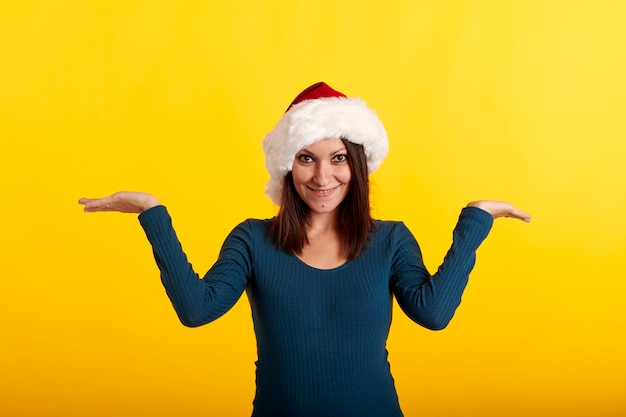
(500, 209)
(122, 201)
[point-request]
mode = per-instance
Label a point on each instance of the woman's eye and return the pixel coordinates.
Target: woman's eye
(305, 158)
(340, 158)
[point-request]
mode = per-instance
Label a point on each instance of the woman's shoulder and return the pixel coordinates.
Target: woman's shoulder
(388, 225)
(390, 229)
(257, 223)
(253, 227)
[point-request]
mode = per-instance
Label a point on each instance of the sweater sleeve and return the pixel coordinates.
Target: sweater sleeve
(198, 301)
(431, 300)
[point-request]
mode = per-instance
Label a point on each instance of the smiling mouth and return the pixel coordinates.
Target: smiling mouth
(324, 192)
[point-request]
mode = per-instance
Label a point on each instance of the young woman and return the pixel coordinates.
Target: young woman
(322, 274)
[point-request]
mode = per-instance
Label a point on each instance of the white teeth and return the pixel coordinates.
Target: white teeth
(327, 191)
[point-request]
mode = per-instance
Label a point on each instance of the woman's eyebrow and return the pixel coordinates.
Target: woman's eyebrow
(332, 153)
(340, 150)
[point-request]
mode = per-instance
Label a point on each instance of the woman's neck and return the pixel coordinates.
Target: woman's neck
(322, 223)
(324, 247)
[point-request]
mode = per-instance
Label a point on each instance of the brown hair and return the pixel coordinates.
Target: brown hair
(288, 230)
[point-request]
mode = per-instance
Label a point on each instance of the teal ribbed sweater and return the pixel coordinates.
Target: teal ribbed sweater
(321, 334)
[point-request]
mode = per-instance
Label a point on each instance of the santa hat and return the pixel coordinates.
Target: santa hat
(319, 113)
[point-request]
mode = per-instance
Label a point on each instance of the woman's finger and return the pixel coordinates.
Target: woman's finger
(124, 202)
(519, 214)
(97, 204)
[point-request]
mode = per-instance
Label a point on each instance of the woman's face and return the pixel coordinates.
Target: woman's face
(321, 175)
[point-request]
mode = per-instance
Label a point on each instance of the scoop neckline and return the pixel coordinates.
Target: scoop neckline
(336, 268)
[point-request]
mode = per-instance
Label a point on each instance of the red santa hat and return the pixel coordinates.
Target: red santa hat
(319, 113)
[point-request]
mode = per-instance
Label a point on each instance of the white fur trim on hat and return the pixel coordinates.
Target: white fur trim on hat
(309, 122)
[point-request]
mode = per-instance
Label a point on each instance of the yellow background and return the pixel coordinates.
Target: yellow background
(515, 100)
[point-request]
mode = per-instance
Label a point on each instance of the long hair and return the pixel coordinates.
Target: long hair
(288, 228)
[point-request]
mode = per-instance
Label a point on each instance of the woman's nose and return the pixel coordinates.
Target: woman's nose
(323, 173)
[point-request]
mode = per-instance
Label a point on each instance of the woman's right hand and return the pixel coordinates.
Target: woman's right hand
(501, 209)
(122, 201)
